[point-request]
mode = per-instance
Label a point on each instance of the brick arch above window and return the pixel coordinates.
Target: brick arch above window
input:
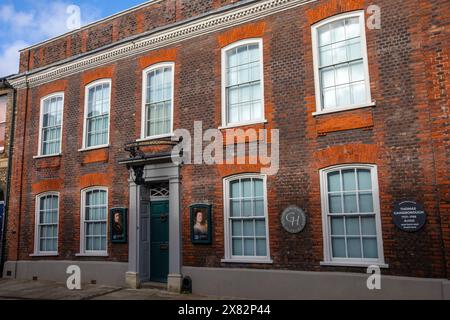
(94, 179)
(254, 30)
(158, 56)
(98, 74)
(47, 186)
(331, 8)
(349, 153)
(52, 87)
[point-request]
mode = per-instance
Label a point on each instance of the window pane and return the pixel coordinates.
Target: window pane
(337, 31)
(354, 247)
(337, 226)
(348, 180)
(328, 78)
(335, 203)
(237, 247)
(352, 225)
(324, 35)
(338, 247)
(342, 75)
(260, 227)
(246, 208)
(259, 208)
(354, 49)
(236, 228)
(365, 202)
(357, 71)
(235, 208)
(343, 95)
(350, 203)
(370, 248)
(246, 188)
(368, 226)
(359, 93)
(329, 98)
(261, 247)
(249, 247)
(364, 179)
(326, 56)
(334, 181)
(234, 186)
(248, 228)
(352, 28)
(258, 187)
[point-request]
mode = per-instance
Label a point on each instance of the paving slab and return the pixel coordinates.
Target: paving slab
(48, 290)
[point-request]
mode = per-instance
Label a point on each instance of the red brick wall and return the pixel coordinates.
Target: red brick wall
(405, 134)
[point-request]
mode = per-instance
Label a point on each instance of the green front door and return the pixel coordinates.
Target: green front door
(159, 235)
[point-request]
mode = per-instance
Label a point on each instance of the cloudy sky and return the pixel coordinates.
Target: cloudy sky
(26, 22)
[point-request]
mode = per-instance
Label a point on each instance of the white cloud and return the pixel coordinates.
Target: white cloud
(41, 21)
(16, 19)
(9, 58)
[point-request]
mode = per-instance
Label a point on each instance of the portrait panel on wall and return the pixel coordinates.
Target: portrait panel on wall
(118, 221)
(201, 223)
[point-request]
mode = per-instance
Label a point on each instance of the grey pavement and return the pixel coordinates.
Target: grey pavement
(47, 290)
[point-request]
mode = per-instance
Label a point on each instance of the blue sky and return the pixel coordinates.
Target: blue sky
(26, 22)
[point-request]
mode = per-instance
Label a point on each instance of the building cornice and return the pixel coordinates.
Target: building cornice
(133, 47)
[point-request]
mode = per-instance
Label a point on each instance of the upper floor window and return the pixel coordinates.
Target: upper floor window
(46, 231)
(94, 217)
(158, 83)
(246, 220)
(51, 124)
(351, 215)
(3, 108)
(96, 127)
(242, 83)
(340, 63)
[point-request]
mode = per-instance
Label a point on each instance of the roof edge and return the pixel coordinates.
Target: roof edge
(87, 26)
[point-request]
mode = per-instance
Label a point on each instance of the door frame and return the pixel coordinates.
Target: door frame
(156, 172)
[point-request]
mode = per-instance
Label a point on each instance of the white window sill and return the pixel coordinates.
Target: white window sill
(161, 136)
(252, 261)
(45, 254)
(353, 264)
(341, 109)
(242, 124)
(47, 156)
(93, 254)
(103, 146)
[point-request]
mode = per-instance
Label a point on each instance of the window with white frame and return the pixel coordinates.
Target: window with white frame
(242, 83)
(246, 225)
(46, 232)
(94, 220)
(351, 214)
(51, 124)
(340, 62)
(158, 100)
(96, 127)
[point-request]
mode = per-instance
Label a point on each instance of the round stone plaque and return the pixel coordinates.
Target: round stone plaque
(293, 219)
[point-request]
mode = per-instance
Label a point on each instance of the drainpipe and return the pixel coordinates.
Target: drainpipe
(8, 181)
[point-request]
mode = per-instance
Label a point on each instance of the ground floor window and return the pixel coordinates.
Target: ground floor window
(46, 238)
(94, 220)
(246, 220)
(351, 214)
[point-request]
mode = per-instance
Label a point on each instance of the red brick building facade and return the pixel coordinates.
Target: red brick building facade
(399, 134)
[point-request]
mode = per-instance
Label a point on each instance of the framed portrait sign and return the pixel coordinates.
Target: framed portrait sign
(118, 223)
(201, 223)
